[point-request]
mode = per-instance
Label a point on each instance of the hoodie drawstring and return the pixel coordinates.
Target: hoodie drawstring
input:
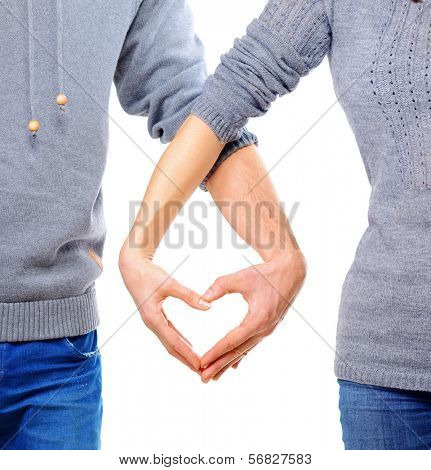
(33, 125)
(61, 99)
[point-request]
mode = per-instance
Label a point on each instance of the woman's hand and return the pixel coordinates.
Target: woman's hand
(149, 286)
(269, 290)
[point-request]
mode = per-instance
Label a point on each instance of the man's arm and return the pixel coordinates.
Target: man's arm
(246, 197)
(279, 48)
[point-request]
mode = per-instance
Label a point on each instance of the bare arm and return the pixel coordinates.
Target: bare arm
(182, 167)
(244, 193)
(246, 197)
(184, 164)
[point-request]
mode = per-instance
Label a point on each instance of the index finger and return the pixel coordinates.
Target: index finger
(173, 341)
(232, 340)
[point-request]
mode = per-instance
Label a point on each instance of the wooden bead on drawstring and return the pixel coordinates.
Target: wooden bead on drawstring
(33, 125)
(62, 99)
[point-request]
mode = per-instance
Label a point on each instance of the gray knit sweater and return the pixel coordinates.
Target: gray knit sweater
(380, 58)
(51, 222)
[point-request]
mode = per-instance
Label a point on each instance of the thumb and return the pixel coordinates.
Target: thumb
(222, 286)
(188, 296)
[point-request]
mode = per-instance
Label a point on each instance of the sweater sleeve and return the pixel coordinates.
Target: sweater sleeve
(285, 43)
(161, 71)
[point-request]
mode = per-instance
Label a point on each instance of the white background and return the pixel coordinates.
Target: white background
(283, 398)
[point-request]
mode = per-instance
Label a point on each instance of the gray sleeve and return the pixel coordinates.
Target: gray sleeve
(285, 43)
(161, 71)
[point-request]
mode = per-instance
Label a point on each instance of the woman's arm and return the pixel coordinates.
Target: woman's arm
(246, 197)
(287, 41)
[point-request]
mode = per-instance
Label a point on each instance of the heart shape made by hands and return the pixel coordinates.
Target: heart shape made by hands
(205, 328)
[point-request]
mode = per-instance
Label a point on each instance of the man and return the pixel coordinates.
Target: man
(58, 63)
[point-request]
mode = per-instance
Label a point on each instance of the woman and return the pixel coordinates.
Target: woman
(379, 55)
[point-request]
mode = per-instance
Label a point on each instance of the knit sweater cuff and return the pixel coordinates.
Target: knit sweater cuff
(221, 125)
(246, 138)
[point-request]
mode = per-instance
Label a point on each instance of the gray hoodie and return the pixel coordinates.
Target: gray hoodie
(51, 222)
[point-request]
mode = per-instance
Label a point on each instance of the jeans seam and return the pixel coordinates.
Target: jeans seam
(2, 353)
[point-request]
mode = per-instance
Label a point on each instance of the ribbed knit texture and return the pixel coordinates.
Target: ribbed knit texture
(284, 44)
(51, 213)
(379, 53)
(48, 319)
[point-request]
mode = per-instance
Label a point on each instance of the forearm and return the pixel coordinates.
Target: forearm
(182, 167)
(248, 200)
(245, 195)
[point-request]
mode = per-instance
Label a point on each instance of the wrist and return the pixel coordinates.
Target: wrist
(292, 260)
(131, 252)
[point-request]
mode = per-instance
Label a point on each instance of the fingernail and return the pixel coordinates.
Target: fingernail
(204, 303)
(209, 293)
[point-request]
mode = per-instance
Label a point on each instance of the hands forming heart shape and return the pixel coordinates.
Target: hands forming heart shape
(268, 288)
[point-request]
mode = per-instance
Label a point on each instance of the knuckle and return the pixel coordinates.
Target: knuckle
(158, 293)
(267, 317)
(271, 330)
(249, 275)
(302, 268)
(265, 321)
(267, 332)
(147, 318)
(190, 295)
(220, 283)
(264, 332)
(260, 325)
(168, 285)
(237, 353)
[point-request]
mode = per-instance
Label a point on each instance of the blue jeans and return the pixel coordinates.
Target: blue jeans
(378, 418)
(50, 394)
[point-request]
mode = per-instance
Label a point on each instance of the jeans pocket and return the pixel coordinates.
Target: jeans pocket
(84, 346)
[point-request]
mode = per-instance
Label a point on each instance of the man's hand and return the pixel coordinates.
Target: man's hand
(269, 290)
(149, 286)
